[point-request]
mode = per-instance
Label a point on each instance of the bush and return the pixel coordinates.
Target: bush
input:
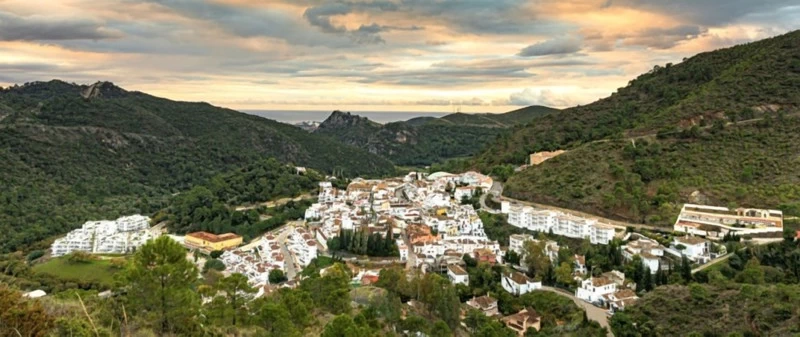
(216, 254)
(79, 257)
(35, 255)
(214, 264)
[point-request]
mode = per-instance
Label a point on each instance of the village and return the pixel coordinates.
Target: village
(429, 223)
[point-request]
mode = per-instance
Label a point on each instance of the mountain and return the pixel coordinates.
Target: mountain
(504, 120)
(720, 127)
(425, 140)
(71, 153)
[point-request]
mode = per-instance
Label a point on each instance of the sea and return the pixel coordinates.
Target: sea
(297, 116)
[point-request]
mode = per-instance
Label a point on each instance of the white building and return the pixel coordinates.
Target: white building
(649, 251)
(120, 236)
(403, 249)
(559, 224)
(518, 284)
(695, 248)
(457, 274)
(593, 289)
(715, 222)
(463, 192)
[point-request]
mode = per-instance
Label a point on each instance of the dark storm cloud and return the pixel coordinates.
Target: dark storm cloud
(32, 28)
(552, 47)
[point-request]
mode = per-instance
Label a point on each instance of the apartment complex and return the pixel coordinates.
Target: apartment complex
(106, 237)
(715, 222)
(558, 223)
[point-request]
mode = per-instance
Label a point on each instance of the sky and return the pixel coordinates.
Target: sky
(377, 55)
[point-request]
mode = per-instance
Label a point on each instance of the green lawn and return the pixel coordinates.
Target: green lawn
(95, 270)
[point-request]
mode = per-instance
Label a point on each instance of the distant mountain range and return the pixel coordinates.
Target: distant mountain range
(426, 140)
(721, 127)
(76, 152)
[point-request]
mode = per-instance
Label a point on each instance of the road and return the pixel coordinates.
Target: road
(592, 312)
(270, 204)
(290, 263)
(496, 190)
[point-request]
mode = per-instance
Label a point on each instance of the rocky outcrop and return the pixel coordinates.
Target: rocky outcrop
(339, 120)
(102, 89)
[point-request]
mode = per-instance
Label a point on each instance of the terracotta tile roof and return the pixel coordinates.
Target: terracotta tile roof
(518, 278)
(690, 240)
(206, 236)
(456, 269)
(601, 281)
(484, 302)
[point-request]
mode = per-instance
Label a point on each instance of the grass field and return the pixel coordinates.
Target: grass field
(95, 270)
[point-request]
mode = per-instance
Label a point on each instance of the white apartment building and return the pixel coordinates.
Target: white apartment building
(559, 224)
(105, 237)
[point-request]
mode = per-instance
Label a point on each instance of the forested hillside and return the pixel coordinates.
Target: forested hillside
(728, 84)
(69, 158)
(423, 141)
(719, 128)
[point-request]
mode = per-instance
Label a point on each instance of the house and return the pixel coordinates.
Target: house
(694, 248)
(41, 293)
(618, 300)
(402, 249)
(485, 303)
(580, 264)
(485, 255)
(518, 284)
(650, 252)
(593, 289)
(457, 274)
(212, 242)
(523, 320)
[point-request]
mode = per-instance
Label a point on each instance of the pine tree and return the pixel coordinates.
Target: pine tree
(238, 292)
(159, 284)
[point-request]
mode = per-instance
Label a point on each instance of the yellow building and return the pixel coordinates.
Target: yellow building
(212, 242)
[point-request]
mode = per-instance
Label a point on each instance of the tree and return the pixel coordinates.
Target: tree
(158, 284)
(512, 258)
(534, 256)
(276, 276)
(215, 254)
(276, 320)
(752, 273)
(238, 292)
(344, 326)
(440, 329)
(564, 274)
(213, 264)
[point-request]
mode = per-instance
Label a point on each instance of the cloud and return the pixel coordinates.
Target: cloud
(36, 27)
(544, 97)
(552, 47)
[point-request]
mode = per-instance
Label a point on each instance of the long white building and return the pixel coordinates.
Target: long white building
(558, 223)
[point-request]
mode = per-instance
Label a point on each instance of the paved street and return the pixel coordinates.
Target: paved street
(290, 261)
(592, 312)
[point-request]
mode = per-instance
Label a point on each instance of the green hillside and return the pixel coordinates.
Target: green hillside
(704, 310)
(67, 159)
(728, 84)
(426, 140)
(719, 128)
